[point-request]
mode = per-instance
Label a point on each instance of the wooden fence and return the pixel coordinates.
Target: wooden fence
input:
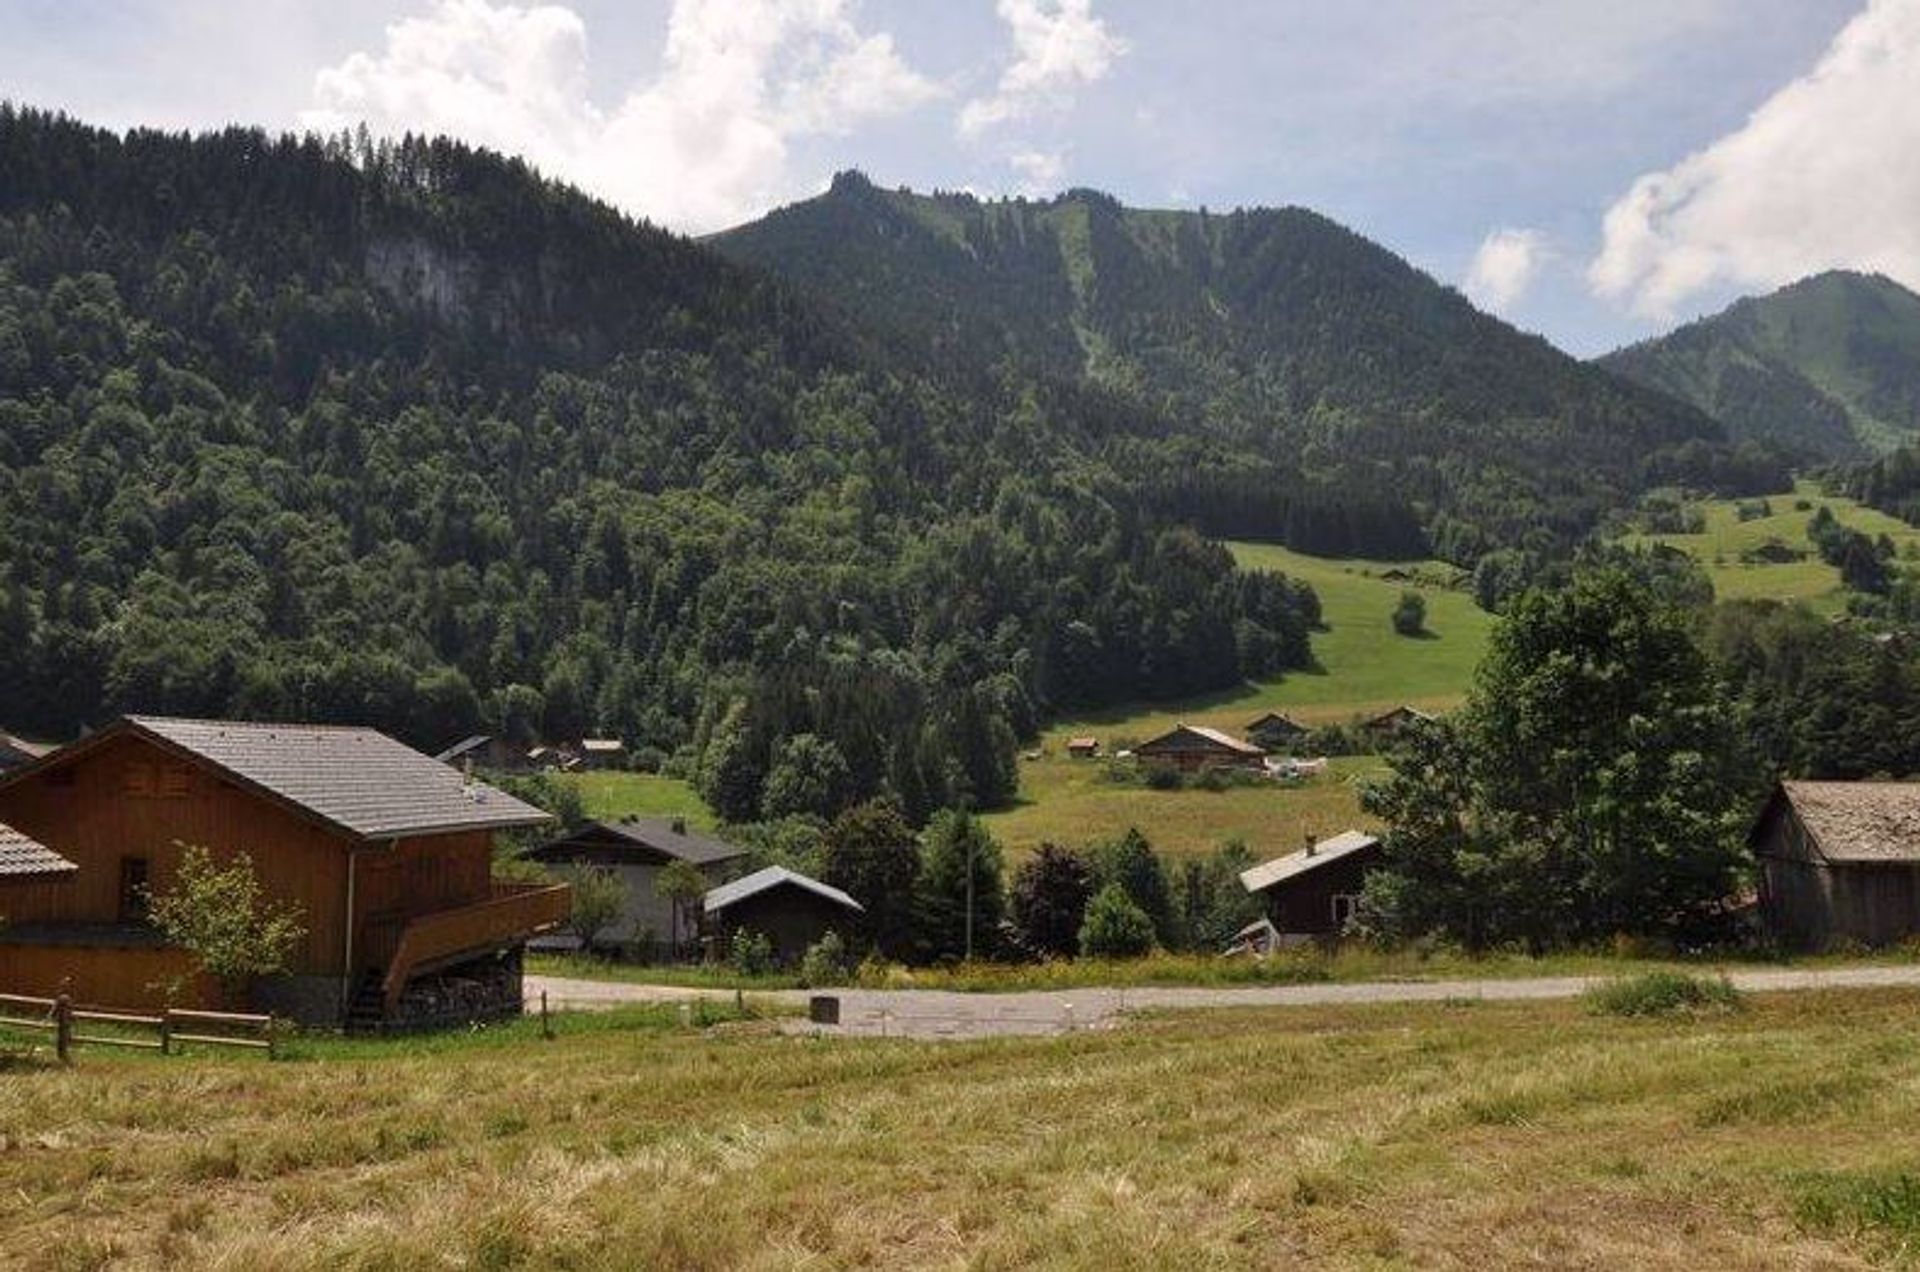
(143, 1031)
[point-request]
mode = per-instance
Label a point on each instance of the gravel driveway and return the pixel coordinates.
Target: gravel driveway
(923, 1013)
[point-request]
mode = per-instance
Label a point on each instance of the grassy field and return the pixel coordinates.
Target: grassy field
(615, 795)
(1725, 538)
(1437, 1135)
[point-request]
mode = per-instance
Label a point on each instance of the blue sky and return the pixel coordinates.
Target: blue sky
(1594, 172)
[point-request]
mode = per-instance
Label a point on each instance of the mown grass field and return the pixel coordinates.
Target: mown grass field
(1720, 545)
(1488, 1135)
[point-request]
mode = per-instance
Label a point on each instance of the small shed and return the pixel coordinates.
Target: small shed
(1392, 724)
(1275, 732)
(1083, 748)
(1839, 861)
(1312, 893)
(792, 910)
(1193, 746)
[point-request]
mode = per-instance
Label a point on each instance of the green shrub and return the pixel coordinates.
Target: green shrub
(1163, 777)
(751, 953)
(1882, 1203)
(825, 962)
(1662, 994)
(1115, 927)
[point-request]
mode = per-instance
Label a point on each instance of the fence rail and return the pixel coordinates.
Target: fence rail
(61, 1018)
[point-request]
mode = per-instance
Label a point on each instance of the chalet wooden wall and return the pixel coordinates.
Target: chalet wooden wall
(106, 977)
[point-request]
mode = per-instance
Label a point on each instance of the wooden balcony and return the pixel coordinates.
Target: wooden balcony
(515, 912)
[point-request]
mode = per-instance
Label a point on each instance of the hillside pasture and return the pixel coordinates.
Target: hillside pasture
(1468, 1134)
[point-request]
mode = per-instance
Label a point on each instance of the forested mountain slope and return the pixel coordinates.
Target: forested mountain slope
(1332, 395)
(1830, 365)
(406, 435)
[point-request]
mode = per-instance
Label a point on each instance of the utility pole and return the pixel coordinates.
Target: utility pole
(970, 838)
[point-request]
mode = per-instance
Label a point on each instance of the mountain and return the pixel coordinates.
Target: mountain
(404, 434)
(1307, 356)
(1830, 365)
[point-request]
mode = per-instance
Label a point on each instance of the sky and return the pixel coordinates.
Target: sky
(1593, 172)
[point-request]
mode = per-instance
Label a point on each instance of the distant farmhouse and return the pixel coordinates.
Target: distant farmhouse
(602, 753)
(17, 753)
(1083, 748)
(1310, 894)
(789, 908)
(485, 751)
(1840, 862)
(1276, 732)
(1393, 723)
(1191, 746)
(387, 853)
(638, 849)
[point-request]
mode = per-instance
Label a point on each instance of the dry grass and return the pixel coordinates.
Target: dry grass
(1488, 1135)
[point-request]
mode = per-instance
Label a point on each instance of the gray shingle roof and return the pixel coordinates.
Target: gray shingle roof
(22, 858)
(461, 747)
(773, 877)
(357, 780)
(660, 834)
(1173, 736)
(1293, 865)
(1859, 821)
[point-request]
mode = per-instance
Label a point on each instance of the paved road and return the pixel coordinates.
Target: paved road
(921, 1013)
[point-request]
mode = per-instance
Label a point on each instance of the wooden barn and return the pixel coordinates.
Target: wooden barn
(790, 909)
(387, 853)
(602, 753)
(1840, 862)
(1392, 724)
(638, 849)
(1191, 746)
(1276, 732)
(489, 753)
(1311, 894)
(1083, 748)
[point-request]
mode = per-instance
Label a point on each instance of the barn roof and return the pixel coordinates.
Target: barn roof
(1215, 736)
(356, 781)
(1274, 719)
(602, 746)
(20, 749)
(463, 746)
(774, 877)
(1293, 865)
(1859, 821)
(22, 858)
(666, 835)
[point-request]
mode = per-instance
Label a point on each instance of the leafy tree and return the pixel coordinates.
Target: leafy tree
(871, 853)
(1213, 904)
(1592, 785)
(825, 961)
(1048, 900)
(221, 915)
(1115, 927)
(600, 899)
(1130, 864)
(809, 775)
(1410, 614)
(960, 866)
(683, 886)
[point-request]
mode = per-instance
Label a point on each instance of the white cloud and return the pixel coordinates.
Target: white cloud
(1821, 176)
(703, 145)
(1505, 266)
(1040, 169)
(1057, 48)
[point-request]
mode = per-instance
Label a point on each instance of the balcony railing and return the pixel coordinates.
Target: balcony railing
(515, 912)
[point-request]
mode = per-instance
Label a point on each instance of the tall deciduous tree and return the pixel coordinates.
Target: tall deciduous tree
(1592, 785)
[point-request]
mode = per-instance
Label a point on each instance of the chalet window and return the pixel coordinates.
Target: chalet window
(158, 780)
(1344, 904)
(133, 890)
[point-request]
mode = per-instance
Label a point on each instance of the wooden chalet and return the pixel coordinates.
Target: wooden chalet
(789, 908)
(1839, 862)
(602, 753)
(387, 853)
(18, 752)
(1392, 724)
(638, 849)
(1275, 732)
(1191, 746)
(1310, 894)
(1085, 748)
(489, 753)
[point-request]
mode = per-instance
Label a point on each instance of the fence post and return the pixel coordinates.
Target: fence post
(546, 1025)
(63, 1028)
(166, 1031)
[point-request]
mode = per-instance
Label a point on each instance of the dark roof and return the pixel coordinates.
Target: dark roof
(1274, 720)
(461, 747)
(22, 858)
(774, 877)
(1212, 737)
(19, 750)
(1402, 712)
(356, 781)
(1858, 821)
(666, 835)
